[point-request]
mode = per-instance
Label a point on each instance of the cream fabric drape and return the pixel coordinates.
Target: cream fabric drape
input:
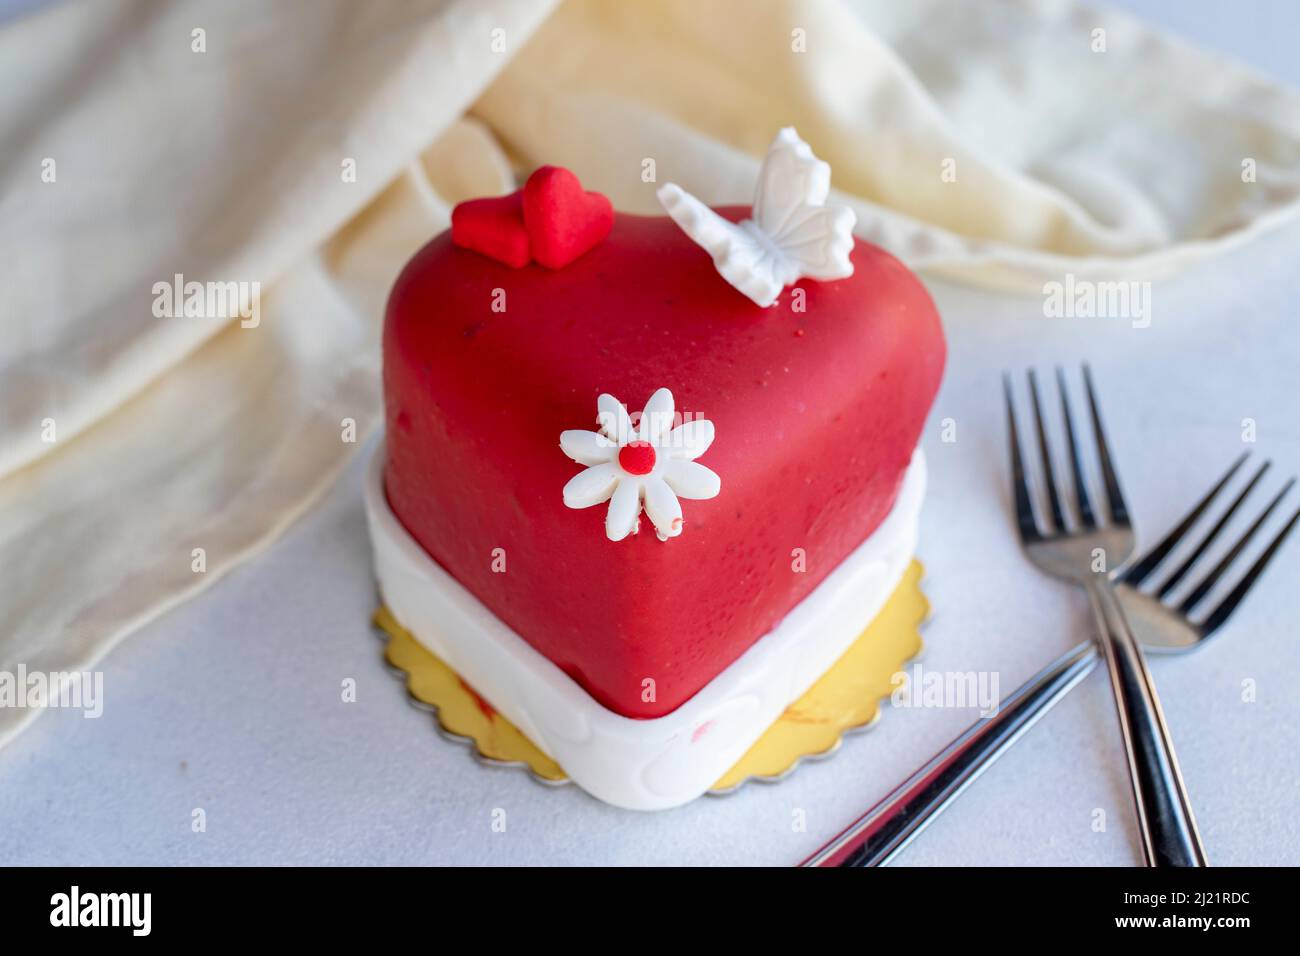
(311, 147)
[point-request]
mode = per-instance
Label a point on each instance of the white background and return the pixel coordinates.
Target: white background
(232, 703)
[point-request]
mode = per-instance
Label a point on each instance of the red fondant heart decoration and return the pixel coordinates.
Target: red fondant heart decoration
(813, 434)
(563, 220)
(493, 227)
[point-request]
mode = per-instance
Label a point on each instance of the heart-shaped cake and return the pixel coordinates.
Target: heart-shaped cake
(630, 462)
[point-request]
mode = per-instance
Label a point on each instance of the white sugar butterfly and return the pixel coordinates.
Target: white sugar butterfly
(793, 233)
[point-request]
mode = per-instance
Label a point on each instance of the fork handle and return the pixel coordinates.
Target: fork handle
(880, 833)
(1169, 834)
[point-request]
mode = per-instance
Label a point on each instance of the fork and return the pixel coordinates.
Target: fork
(882, 832)
(1083, 551)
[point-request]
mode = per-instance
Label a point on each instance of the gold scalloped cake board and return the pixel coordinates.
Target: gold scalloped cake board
(845, 698)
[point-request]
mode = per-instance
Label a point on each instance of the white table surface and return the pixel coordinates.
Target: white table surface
(232, 702)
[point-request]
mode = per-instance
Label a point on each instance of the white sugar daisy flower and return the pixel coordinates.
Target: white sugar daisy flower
(651, 466)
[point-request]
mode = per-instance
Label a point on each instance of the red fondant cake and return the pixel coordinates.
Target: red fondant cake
(816, 405)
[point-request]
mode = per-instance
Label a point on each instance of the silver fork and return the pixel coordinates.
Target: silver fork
(884, 830)
(1084, 551)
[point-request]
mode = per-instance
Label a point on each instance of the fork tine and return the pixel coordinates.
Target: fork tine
(1229, 604)
(1020, 490)
(1139, 572)
(1212, 578)
(1181, 571)
(1049, 473)
(1086, 518)
(1114, 497)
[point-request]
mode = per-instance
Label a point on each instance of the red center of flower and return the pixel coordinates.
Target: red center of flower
(637, 458)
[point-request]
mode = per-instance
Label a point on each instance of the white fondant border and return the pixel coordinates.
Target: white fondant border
(640, 764)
